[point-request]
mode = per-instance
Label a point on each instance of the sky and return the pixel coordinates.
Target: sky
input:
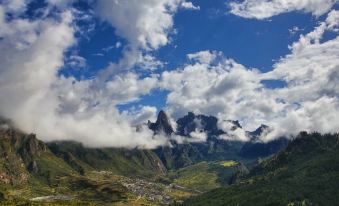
(91, 70)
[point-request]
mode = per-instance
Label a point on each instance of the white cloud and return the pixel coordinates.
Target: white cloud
(233, 133)
(311, 72)
(262, 9)
(294, 30)
(142, 115)
(59, 108)
(215, 85)
(204, 57)
(197, 136)
(15, 6)
(222, 88)
(77, 61)
(62, 4)
(149, 62)
(189, 5)
(145, 26)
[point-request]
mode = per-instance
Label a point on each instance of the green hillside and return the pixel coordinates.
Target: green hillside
(66, 173)
(142, 163)
(305, 173)
(205, 176)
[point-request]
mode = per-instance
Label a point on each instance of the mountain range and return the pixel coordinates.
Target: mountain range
(68, 173)
(305, 173)
(215, 147)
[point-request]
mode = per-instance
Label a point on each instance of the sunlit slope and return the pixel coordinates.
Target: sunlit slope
(305, 173)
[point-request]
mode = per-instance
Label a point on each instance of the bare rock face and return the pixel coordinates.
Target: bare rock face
(192, 122)
(33, 145)
(162, 125)
(12, 167)
(33, 167)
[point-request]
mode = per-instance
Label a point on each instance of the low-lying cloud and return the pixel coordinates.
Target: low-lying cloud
(39, 100)
(55, 107)
(213, 84)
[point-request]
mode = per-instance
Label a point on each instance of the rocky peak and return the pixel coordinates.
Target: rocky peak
(254, 135)
(191, 122)
(33, 146)
(162, 124)
(235, 124)
(162, 118)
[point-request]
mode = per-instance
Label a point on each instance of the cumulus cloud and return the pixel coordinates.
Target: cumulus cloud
(189, 5)
(15, 6)
(232, 133)
(197, 136)
(77, 61)
(213, 84)
(55, 107)
(217, 86)
(60, 108)
(141, 115)
(311, 73)
(61, 4)
(145, 26)
(262, 9)
(294, 30)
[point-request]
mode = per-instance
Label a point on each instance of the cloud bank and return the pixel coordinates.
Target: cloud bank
(263, 9)
(214, 84)
(40, 100)
(55, 107)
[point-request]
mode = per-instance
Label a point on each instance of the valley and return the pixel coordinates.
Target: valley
(169, 103)
(191, 173)
(69, 173)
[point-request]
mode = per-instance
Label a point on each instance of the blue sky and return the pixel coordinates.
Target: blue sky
(78, 69)
(254, 43)
(249, 41)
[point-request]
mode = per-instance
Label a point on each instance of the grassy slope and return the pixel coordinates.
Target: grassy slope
(205, 176)
(119, 161)
(306, 173)
(29, 169)
(54, 175)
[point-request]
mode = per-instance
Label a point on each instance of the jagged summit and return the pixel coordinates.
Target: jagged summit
(236, 124)
(258, 132)
(162, 125)
(192, 122)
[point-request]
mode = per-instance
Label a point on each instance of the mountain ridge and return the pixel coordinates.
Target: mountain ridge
(216, 148)
(305, 173)
(66, 167)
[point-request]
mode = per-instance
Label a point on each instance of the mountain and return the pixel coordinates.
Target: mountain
(263, 149)
(127, 162)
(23, 154)
(204, 176)
(256, 148)
(189, 153)
(255, 135)
(69, 173)
(162, 125)
(66, 173)
(214, 148)
(305, 173)
(191, 123)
